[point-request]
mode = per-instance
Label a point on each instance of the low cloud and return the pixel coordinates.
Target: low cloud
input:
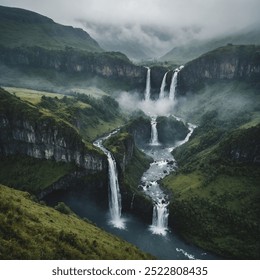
(151, 26)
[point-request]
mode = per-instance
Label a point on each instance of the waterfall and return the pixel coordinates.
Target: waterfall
(163, 164)
(161, 95)
(160, 217)
(148, 85)
(114, 190)
(154, 133)
(173, 85)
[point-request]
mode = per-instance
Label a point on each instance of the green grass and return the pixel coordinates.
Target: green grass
(221, 215)
(25, 28)
(215, 196)
(29, 230)
(30, 95)
(30, 174)
(91, 117)
(34, 96)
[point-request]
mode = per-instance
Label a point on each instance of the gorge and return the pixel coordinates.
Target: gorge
(163, 156)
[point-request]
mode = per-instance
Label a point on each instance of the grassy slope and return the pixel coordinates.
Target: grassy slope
(20, 27)
(215, 199)
(29, 230)
(30, 174)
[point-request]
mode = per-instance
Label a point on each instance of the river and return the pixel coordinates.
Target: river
(156, 239)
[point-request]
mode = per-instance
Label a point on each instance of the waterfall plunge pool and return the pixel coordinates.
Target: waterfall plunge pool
(163, 246)
(168, 247)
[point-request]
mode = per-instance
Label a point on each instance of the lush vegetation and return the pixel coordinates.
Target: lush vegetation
(29, 230)
(90, 116)
(38, 53)
(20, 27)
(31, 174)
(77, 116)
(215, 193)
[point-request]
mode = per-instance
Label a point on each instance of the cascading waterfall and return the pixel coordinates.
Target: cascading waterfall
(164, 164)
(162, 93)
(154, 133)
(114, 190)
(148, 85)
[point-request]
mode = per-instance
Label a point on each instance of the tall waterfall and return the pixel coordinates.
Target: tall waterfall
(161, 95)
(154, 133)
(173, 85)
(114, 190)
(148, 84)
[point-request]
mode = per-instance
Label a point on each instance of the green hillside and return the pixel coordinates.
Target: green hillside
(23, 28)
(215, 192)
(78, 117)
(29, 230)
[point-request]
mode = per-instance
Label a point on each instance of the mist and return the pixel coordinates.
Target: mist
(228, 101)
(131, 102)
(148, 28)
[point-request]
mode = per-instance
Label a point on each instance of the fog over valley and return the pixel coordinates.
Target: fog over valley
(149, 28)
(130, 129)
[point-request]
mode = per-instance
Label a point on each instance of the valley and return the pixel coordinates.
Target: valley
(97, 151)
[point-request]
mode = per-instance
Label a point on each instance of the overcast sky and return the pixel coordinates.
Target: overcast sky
(159, 24)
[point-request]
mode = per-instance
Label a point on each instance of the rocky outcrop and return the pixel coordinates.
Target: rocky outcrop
(26, 131)
(223, 64)
(131, 164)
(140, 129)
(122, 146)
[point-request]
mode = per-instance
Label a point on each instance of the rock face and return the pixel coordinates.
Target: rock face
(226, 63)
(112, 65)
(33, 134)
(140, 128)
(131, 164)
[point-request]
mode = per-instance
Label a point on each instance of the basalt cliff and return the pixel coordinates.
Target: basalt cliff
(229, 63)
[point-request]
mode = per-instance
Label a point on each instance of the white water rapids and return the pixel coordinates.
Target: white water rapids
(163, 164)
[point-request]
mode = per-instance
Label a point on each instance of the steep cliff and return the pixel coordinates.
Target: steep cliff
(227, 63)
(131, 163)
(70, 62)
(28, 131)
